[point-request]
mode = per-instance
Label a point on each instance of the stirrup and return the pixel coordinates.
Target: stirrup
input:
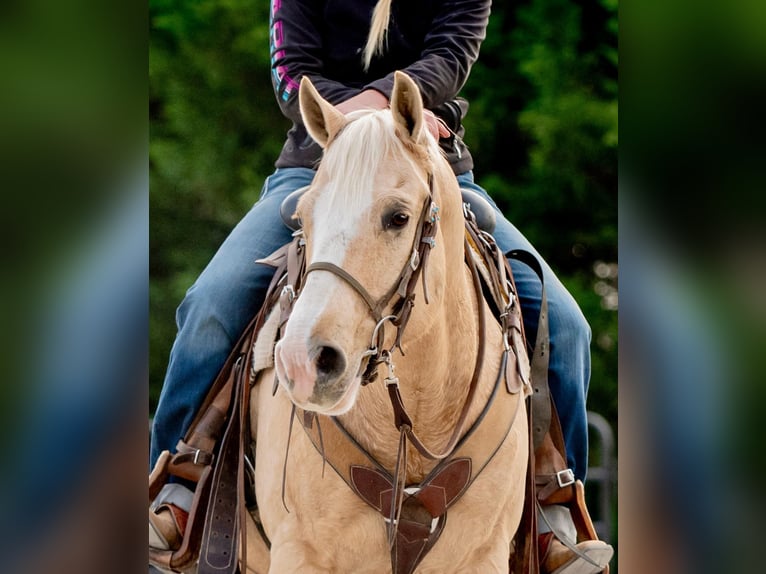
(588, 556)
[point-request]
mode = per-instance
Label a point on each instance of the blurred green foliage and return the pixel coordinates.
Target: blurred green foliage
(542, 128)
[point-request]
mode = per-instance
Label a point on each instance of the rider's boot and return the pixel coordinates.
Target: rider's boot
(168, 515)
(567, 539)
(559, 551)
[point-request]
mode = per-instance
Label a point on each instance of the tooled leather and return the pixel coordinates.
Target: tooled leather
(218, 552)
(373, 487)
(447, 486)
(414, 536)
(412, 546)
(436, 494)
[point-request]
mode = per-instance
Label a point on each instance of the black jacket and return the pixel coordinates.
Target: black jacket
(434, 41)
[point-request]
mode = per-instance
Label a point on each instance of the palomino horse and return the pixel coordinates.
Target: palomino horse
(383, 205)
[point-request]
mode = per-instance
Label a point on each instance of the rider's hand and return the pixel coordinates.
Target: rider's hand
(368, 99)
(435, 125)
(373, 99)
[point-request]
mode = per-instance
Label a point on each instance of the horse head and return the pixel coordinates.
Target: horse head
(363, 220)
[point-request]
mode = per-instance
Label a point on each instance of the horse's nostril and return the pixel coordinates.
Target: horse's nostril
(329, 361)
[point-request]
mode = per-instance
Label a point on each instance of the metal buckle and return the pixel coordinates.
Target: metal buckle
(288, 292)
(565, 477)
(196, 456)
(415, 259)
(391, 379)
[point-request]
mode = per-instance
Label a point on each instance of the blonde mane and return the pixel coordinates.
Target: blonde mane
(364, 141)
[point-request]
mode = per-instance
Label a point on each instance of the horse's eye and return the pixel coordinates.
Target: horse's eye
(398, 220)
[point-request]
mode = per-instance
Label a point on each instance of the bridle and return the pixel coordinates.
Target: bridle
(404, 286)
(413, 270)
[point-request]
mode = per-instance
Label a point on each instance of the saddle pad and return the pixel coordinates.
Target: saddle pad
(263, 349)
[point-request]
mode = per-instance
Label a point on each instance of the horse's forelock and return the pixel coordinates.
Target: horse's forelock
(359, 149)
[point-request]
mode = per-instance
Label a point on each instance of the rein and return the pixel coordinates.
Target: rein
(413, 270)
(403, 421)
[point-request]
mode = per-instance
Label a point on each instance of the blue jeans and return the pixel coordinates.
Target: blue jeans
(231, 288)
(569, 358)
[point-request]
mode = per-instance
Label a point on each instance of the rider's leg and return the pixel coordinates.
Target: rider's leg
(568, 378)
(569, 366)
(218, 306)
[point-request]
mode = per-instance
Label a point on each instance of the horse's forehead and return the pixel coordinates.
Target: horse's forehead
(341, 210)
(348, 197)
(337, 218)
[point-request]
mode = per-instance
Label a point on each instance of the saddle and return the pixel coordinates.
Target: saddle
(214, 453)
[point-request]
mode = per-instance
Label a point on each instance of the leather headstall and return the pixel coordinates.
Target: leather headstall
(404, 286)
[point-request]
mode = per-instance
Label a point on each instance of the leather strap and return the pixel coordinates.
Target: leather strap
(331, 439)
(525, 559)
(223, 535)
(215, 462)
(218, 551)
(402, 419)
(541, 397)
(376, 307)
(424, 509)
(550, 481)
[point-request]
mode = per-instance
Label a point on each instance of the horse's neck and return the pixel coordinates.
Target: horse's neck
(444, 356)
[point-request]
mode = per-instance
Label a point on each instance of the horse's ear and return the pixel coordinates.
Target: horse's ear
(320, 117)
(407, 106)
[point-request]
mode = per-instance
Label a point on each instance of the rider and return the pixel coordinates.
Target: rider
(350, 49)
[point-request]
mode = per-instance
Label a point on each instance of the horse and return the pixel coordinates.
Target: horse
(387, 290)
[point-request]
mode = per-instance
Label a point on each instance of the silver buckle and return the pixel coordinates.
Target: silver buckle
(565, 477)
(288, 292)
